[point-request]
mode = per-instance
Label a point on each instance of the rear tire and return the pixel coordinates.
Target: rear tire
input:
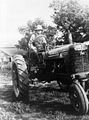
(78, 98)
(20, 77)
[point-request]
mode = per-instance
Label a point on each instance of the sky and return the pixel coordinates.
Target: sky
(16, 13)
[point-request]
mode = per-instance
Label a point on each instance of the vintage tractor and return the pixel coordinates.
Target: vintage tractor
(67, 64)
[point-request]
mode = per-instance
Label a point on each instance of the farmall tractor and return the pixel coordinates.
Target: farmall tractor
(68, 64)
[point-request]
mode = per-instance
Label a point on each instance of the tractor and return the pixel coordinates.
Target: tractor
(68, 64)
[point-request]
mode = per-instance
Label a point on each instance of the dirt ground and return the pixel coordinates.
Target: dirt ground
(45, 103)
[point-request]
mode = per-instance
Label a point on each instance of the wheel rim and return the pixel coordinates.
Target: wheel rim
(75, 102)
(78, 98)
(15, 82)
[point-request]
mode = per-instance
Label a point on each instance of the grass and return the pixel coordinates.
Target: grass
(44, 103)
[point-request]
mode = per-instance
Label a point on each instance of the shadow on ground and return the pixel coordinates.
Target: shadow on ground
(43, 100)
(44, 103)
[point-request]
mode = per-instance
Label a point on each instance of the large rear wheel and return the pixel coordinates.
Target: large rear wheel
(20, 77)
(78, 98)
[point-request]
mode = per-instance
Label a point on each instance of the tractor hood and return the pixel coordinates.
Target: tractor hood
(59, 51)
(62, 51)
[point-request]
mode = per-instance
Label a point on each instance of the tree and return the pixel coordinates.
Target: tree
(32, 25)
(70, 15)
(23, 29)
(27, 31)
(22, 44)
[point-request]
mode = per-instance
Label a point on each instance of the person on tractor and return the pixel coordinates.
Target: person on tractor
(37, 40)
(37, 44)
(58, 37)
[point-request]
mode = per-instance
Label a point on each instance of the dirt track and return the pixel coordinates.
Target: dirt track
(43, 104)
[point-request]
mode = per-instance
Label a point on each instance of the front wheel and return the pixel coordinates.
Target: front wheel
(78, 98)
(20, 77)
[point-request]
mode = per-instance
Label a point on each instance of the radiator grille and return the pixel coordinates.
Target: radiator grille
(79, 60)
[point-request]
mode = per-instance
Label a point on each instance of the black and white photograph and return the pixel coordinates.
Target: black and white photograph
(44, 59)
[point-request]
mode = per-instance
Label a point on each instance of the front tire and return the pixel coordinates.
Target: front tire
(78, 98)
(20, 77)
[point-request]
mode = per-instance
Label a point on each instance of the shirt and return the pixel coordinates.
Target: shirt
(37, 40)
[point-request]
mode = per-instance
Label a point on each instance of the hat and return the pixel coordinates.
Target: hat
(39, 27)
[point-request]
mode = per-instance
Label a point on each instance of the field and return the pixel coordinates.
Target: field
(46, 102)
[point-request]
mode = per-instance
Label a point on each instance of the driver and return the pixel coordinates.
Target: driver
(37, 40)
(37, 44)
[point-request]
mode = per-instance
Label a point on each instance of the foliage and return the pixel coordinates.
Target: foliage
(31, 26)
(22, 44)
(38, 21)
(27, 31)
(70, 15)
(23, 29)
